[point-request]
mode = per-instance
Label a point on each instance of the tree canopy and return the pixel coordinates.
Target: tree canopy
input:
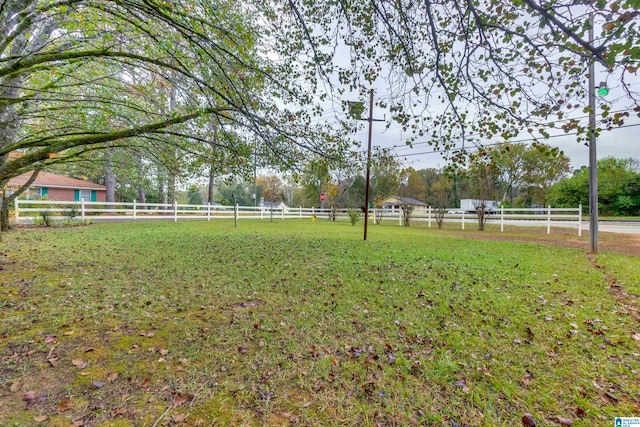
(466, 71)
(77, 75)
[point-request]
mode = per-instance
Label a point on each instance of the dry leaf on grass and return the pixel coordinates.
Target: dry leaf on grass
(79, 363)
(65, 405)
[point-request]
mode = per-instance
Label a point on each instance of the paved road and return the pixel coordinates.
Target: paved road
(606, 226)
(622, 227)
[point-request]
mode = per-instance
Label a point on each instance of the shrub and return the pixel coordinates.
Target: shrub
(72, 213)
(354, 215)
(46, 218)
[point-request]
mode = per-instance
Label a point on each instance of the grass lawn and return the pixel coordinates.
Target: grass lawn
(301, 323)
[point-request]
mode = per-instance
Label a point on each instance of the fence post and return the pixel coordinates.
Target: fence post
(579, 220)
(175, 212)
(235, 212)
(283, 212)
(82, 209)
(429, 215)
(549, 220)
(134, 209)
(463, 219)
(300, 212)
(17, 210)
(501, 219)
(262, 213)
(209, 211)
(400, 216)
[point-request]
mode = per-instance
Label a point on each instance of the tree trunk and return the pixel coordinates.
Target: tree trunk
(142, 198)
(211, 184)
(109, 177)
(6, 201)
(162, 195)
(171, 189)
(212, 169)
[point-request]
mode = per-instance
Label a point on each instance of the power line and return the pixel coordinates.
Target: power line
(409, 147)
(498, 143)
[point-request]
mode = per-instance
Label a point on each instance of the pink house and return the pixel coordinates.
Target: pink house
(58, 187)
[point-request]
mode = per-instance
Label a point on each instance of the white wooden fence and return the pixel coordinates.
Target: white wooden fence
(27, 211)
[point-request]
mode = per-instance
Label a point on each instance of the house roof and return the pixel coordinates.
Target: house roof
(51, 180)
(407, 200)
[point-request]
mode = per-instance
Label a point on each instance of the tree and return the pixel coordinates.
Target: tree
(442, 195)
(430, 176)
(314, 179)
(469, 71)
(385, 176)
(194, 195)
(355, 194)
(412, 184)
(524, 169)
(76, 76)
(271, 187)
(483, 176)
(618, 187)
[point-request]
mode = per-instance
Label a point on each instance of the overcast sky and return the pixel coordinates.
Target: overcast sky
(620, 142)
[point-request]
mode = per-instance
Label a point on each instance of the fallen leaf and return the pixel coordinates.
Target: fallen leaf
(242, 349)
(15, 387)
(164, 351)
(65, 405)
(30, 398)
(89, 349)
(528, 421)
(40, 419)
(112, 377)
(636, 336)
(178, 418)
(526, 380)
(179, 399)
(31, 352)
(98, 384)
(49, 339)
(79, 363)
(119, 411)
(261, 343)
(564, 421)
(580, 412)
(53, 361)
(460, 383)
(68, 333)
(146, 383)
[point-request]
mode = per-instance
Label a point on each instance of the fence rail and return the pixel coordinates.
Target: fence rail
(29, 210)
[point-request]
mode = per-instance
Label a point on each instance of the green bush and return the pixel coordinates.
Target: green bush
(354, 215)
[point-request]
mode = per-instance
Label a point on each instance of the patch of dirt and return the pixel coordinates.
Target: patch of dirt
(626, 244)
